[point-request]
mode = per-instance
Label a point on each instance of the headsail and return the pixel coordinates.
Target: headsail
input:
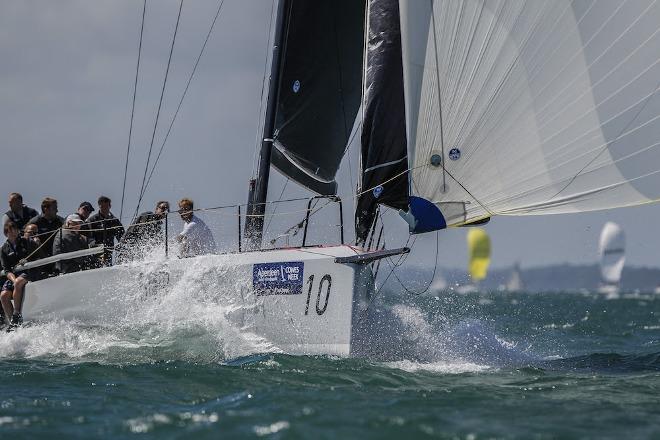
(517, 108)
(320, 89)
(384, 159)
(611, 250)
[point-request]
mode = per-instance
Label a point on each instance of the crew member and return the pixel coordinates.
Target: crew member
(105, 229)
(48, 222)
(18, 212)
(84, 211)
(145, 232)
(71, 240)
(15, 249)
(31, 234)
(196, 238)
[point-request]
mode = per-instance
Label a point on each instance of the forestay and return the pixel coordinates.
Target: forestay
(531, 107)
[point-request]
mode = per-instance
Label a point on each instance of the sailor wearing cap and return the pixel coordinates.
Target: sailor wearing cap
(84, 211)
(71, 240)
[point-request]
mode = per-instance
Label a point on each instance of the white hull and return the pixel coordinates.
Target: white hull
(313, 310)
(611, 291)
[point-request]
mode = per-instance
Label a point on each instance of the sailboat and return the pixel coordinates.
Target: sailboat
(515, 282)
(464, 110)
(611, 252)
(478, 243)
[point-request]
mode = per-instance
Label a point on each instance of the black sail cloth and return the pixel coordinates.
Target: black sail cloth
(384, 148)
(319, 91)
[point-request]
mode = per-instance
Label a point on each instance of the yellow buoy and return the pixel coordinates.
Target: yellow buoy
(478, 253)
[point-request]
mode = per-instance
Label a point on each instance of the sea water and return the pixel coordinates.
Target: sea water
(485, 365)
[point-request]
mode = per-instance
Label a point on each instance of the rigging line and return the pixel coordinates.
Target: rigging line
(389, 180)
(43, 242)
(260, 119)
(183, 95)
(160, 104)
(272, 214)
(435, 268)
(380, 288)
(483, 205)
(130, 129)
(296, 227)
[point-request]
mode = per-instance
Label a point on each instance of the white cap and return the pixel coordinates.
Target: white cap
(74, 218)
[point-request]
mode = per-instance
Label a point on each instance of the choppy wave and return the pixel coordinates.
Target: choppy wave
(509, 366)
(453, 334)
(608, 363)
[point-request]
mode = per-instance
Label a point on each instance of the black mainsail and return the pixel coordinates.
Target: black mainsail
(315, 92)
(320, 90)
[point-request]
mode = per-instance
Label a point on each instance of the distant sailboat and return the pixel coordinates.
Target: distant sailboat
(479, 253)
(515, 282)
(611, 251)
(478, 243)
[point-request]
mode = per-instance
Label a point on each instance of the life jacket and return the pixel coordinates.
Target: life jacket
(27, 214)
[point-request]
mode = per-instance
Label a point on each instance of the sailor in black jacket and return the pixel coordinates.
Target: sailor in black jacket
(18, 212)
(48, 222)
(105, 229)
(15, 250)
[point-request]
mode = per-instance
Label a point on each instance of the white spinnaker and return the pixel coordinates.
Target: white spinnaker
(553, 105)
(611, 250)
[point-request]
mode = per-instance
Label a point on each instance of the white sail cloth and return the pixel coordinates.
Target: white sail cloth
(534, 107)
(611, 250)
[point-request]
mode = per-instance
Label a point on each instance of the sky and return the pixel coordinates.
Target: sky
(66, 88)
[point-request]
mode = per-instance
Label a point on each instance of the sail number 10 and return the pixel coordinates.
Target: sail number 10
(324, 290)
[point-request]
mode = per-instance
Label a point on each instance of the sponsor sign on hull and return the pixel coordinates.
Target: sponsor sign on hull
(278, 278)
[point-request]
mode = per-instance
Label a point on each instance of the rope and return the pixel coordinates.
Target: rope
(389, 180)
(160, 104)
(373, 298)
(435, 267)
(270, 219)
(130, 129)
(42, 244)
(313, 210)
(183, 95)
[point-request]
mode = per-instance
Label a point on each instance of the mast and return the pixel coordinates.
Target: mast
(254, 222)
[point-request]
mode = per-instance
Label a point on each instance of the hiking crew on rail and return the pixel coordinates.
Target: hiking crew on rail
(32, 236)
